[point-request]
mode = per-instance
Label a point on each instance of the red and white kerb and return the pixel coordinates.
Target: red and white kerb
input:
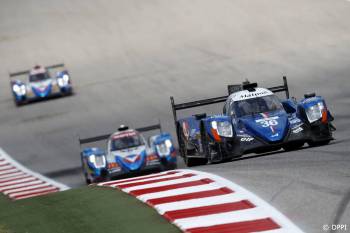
(199, 202)
(18, 182)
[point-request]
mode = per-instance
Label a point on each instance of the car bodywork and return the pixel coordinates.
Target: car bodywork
(127, 153)
(40, 83)
(254, 120)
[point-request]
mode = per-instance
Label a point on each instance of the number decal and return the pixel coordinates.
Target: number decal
(267, 122)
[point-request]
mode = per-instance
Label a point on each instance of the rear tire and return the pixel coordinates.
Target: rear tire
(293, 146)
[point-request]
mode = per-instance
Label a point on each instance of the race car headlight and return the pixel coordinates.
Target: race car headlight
(19, 89)
(314, 112)
(98, 161)
(168, 143)
(224, 128)
(63, 81)
(163, 149)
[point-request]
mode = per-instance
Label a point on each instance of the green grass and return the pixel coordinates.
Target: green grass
(87, 210)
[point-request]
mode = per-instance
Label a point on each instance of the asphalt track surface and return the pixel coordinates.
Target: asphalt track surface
(127, 57)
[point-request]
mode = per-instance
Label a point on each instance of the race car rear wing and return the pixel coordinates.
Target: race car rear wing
(282, 88)
(26, 72)
(106, 136)
(231, 89)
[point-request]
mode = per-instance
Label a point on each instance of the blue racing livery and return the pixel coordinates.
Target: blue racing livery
(127, 153)
(41, 84)
(254, 120)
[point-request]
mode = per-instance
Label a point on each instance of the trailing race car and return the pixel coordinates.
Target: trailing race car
(254, 120)
(127, 153)
(41, 84)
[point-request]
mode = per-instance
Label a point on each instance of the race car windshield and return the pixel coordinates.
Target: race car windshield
(38, 77)
(256, 105)
(126, 142)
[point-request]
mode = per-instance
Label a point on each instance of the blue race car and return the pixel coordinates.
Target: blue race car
(254, 120)
(127, 153)
(41, 84)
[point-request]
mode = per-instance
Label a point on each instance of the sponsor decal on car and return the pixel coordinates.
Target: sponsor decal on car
(124, 135)
(249, 139)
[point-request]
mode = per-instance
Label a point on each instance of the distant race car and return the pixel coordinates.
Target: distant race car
(41, 84)
(254, 120)
(127, 153)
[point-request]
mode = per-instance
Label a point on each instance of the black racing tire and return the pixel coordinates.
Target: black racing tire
(168, 167)
(18, 104)
(293, 146)
(70, 93)
(192, 162)
(318, 143)
(182, 149)
(87, 180)
(205, 143)
(206, 147)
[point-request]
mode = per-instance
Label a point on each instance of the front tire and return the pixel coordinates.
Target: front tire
(322, 135)
(168, 167)
(212, 152)
(318, 143)
(18, 103)
(192, 162)
(87, 180)
(185, 151)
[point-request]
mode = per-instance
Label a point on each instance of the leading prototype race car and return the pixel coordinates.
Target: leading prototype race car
(41, 84)
(254, 120)
(127, 153)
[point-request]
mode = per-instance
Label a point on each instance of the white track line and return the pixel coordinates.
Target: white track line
(277, 216)
(207, 201)
(135, 179)
(278, 231)
(159, 184)
(222, 218)
(148, 179)
(199, 188)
